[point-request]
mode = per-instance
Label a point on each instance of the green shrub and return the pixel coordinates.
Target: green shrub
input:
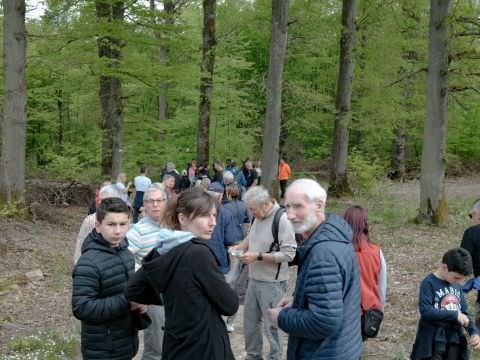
(363, 175)
(15, 209)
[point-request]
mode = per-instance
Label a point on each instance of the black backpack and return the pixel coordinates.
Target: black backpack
(275, 246)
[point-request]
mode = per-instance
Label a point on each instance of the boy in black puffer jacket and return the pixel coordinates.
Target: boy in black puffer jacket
(99, 279)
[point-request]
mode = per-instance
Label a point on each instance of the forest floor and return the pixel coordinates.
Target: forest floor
(37, 314)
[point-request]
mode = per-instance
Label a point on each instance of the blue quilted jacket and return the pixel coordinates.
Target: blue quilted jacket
(324, 320)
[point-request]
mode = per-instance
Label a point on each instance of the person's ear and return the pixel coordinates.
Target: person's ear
(320, 205)
(97, 226)
(182, 219)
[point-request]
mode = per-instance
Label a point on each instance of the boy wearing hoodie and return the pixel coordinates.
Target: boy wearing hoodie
(109, 320)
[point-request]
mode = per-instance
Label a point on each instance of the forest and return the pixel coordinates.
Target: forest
(110, 85)
(376, 99)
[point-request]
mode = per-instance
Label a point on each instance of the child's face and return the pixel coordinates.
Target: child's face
(451, 276)
(113, 228)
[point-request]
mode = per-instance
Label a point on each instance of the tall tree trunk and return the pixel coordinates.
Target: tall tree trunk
(110, 91)
(338, 167)
(206, 80)
(273, 116)
(163, 57)
(401, 147)
(433, 202)
(12, 165)
(61, 118)
(398, 161)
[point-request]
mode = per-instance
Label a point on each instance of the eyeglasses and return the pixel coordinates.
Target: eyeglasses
(155, 201)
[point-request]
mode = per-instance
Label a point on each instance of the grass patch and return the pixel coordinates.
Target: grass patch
(42, 346)
(61, 266)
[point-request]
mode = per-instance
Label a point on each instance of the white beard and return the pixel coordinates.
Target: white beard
(306, 225)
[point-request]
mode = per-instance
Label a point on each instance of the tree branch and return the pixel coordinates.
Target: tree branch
(408, 76)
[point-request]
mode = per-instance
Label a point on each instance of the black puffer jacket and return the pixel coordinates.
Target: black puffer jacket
(471, 242)
(98, 300)
(195, 296)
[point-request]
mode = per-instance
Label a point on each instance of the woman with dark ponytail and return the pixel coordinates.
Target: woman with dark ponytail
(184, 277)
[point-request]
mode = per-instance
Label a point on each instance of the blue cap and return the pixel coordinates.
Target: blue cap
(216, 187)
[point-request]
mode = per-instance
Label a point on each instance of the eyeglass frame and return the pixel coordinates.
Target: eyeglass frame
(153, 201)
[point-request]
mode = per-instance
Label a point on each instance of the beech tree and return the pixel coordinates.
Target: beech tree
(206, 80)
(12, 165)
(338, 165)
(273, 114)
(163, 56)
(433, 202)
(110, 47)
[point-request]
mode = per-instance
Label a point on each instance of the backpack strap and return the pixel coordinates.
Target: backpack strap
(275, 246)
(276, 226)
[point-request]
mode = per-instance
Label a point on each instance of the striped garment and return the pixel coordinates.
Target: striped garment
(147, 234)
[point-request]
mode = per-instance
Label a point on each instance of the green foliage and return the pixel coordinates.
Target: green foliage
(364, 173)
(46, 345)
(64, 138)
(15, 209)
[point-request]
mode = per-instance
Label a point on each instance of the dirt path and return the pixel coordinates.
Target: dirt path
(411, 252)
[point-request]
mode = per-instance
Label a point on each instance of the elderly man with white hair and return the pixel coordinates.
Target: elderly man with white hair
(323, 318)
(267, 271)
(471, 243)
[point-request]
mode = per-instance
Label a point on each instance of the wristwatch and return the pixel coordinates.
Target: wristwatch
(259, 256)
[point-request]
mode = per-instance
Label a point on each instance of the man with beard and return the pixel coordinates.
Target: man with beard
(323, 317)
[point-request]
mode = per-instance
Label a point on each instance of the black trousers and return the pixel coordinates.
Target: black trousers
(283, 186)
(451, 353)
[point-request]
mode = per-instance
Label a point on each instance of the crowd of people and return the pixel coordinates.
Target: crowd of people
(173, 272)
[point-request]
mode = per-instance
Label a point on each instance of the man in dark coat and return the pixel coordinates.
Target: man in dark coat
(471, 243)
(99, 280)
(323, 319)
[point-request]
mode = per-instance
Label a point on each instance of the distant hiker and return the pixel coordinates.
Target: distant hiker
(371, 263)
(192, 171)
(169, 182)
(284, 173)
(443, 311)
(267, 269)
(184, 277)
(99, 279)
(172, 171)
(218, 167)
(88, 223)
(184, 181)
(123, 187)
(228, 165)
(471, 242)
(252, 176)
(141, 182)
(96, 201)
(258, 169)
(239, 178)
